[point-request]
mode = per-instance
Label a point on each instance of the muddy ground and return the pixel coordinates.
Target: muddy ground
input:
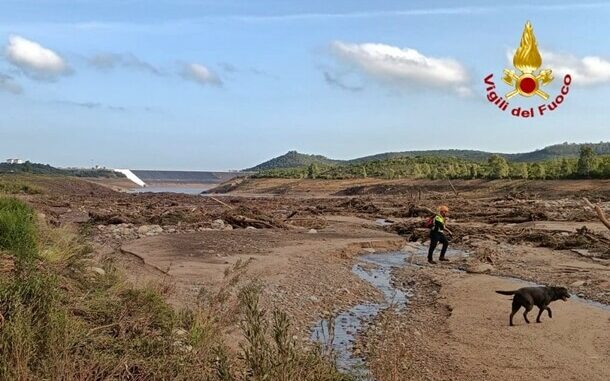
(300, 239)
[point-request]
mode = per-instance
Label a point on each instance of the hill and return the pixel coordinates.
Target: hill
(294, 159)
(45, 169)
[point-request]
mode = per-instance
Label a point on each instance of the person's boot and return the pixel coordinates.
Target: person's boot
(443, 259)
(430, 260)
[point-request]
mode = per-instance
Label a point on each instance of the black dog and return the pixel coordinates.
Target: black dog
(540, 297)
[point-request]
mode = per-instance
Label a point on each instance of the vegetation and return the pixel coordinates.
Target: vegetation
(15, 186)
(588, 165)
(45, 169)
(294, 159)
(60, 320)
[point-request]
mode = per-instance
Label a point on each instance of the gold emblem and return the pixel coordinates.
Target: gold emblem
(527, 60)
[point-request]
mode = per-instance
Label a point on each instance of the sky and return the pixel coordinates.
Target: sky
(218, 85)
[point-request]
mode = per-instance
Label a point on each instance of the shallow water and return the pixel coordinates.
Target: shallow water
(347, 324)
(169, 190)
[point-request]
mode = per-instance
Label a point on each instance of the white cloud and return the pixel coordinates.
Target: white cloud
(200, 74)
(9, 85)
(109, 61)
(34, 59)
(586, 71)
(406, 67)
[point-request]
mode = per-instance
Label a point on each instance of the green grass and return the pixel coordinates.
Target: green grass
(59, 321)
(18, 187)
(18, 229)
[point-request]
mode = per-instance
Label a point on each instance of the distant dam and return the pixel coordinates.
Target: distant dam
(155, 178)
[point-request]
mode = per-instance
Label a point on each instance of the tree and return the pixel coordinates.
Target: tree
(537, 171)
(585, 161)
(498, 167)
(566, 168)
(473, 172)
(312, 171)
(519, 171)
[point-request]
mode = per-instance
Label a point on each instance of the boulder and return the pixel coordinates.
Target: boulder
(150, 230)
(479, 268)
(218, 224)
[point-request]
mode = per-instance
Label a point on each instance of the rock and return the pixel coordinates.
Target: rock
(218, 224)
(314, 299)
(369, 250)
(146, 230)
(180, 332)
(578, 283)
(479, 268)
(227, 227)
(251, 228)
(97, 270)
(312, 231)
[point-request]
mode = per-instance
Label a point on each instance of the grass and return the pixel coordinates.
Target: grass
(17, 229)
(18, 187)
(58, 320)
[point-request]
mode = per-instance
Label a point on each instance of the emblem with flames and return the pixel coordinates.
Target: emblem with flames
(527, 61)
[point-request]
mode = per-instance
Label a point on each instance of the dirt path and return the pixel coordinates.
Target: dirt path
(459, 331)
(575, 345)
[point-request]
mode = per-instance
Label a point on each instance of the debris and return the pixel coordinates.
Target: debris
(479, 268)
(150, 230)
(218, 224)
(600, 213)
(97, 270)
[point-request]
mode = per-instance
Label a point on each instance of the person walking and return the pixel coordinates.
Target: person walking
(437, 234)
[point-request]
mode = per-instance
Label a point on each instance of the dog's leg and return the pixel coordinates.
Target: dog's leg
(528, 308)
(548, 309)
(516, 307)
(542, 308)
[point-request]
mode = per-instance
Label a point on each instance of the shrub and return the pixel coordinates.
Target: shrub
(17, 229)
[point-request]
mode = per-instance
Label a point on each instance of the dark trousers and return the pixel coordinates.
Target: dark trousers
(435, 238)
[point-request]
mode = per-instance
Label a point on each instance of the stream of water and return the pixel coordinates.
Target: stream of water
(376, 269)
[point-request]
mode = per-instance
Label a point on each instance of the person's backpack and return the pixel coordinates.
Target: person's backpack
(429, 222)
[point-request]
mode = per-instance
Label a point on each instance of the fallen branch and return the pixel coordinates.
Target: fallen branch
(220, 202)
(416, 211)
(452, 187)
(600, 213)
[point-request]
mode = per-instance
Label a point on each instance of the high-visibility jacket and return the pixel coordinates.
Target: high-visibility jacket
(439, 223)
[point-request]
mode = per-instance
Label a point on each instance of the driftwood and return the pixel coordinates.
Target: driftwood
(416, 211)
(292, 214)
(220, 202)
(452, 187)
(600, 213)
(242, 221)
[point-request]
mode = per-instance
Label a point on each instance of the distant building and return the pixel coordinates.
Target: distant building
(14, 161)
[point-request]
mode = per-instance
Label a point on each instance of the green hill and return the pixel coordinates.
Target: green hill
(45, 169)
(293, 159)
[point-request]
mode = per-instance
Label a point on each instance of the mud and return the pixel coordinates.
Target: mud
(302, 240)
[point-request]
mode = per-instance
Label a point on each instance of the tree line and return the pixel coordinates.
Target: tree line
(587, 165)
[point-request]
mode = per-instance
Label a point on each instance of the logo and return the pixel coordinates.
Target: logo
(527, 80)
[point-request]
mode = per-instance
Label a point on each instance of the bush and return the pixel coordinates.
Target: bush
(18, 187)
(17, 229)
(59, 320)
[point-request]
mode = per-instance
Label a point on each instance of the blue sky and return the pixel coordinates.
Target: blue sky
(227, 84)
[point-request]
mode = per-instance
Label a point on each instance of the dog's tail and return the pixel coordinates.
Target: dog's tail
(506, 292)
